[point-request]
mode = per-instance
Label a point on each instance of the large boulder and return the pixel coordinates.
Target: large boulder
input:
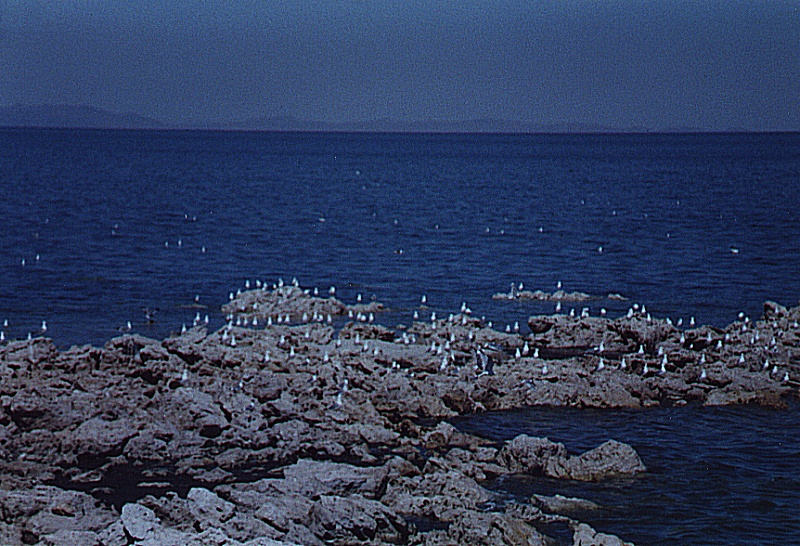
(540, 456)
(353, 520)
(317, 478)
(97, 439)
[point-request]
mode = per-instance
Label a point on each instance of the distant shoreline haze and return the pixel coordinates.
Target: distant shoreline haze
(90, 117)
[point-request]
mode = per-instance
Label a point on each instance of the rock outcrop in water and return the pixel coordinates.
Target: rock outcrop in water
(297, 433)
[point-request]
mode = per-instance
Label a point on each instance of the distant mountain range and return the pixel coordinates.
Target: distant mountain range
(89, 117)
(64, 116)
(432, 126)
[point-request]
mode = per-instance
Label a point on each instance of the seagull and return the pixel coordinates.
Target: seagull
(484, 362)
(600, 365)
(703, 374)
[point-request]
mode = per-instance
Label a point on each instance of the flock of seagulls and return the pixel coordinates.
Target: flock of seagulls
(483, 363)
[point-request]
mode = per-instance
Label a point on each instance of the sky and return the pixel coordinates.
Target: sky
(715, 65)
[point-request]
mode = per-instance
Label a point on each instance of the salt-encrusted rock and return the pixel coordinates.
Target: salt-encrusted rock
(282, 301)
(642, 332)
(774, 311)
(539, 295)
(98, 439)
(30, 352)
(44, 511)
(609, 460)
(529, 455)
(139, 522)
(70, 538)
(356, 520)
(584, 535)
(316, 478)
(489, 529)
(568, 506)
(543, 457)
(208, 509)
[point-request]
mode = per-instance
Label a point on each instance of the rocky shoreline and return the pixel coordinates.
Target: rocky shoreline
(284, 428)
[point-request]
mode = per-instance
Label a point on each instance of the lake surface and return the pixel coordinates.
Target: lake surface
(98, 226)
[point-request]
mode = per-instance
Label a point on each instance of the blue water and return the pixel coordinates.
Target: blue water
(97, 207)
(119, 220)
(715, 475)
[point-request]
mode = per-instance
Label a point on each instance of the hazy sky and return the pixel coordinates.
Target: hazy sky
(659, 64)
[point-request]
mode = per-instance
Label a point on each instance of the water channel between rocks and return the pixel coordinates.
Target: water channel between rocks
(726, 475)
